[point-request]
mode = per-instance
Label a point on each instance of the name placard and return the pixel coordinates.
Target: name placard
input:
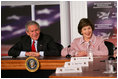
(76, 64)
(69, 69)
(76, 59)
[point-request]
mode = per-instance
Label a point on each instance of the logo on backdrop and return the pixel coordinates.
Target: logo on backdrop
(32, 64)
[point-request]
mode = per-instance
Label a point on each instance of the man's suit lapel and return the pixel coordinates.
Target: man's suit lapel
(28, 44)
(40, 43)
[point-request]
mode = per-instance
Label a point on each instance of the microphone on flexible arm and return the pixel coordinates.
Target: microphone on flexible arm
(68, 55)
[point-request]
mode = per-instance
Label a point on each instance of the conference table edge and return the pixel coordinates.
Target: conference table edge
(20, 64)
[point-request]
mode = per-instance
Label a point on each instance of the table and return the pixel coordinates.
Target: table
(15, 67)
(95, 70)
(46, 63)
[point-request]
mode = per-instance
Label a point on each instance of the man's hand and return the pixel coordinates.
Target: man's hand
(81, 53)
(32, 54)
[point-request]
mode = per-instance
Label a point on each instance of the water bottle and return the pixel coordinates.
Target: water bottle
(90, 54)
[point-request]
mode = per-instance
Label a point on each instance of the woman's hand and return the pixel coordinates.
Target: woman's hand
(81, 53)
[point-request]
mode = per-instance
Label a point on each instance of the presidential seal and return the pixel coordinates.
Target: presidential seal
(32, 64)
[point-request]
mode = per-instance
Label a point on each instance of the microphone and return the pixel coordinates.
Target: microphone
(68, 55)
(111, 58)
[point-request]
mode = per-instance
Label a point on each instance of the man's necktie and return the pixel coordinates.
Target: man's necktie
(33, 47)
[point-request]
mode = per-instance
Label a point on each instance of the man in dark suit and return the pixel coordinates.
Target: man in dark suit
(34, 43)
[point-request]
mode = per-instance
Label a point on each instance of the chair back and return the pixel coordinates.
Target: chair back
(110, 46)
(59, 46)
